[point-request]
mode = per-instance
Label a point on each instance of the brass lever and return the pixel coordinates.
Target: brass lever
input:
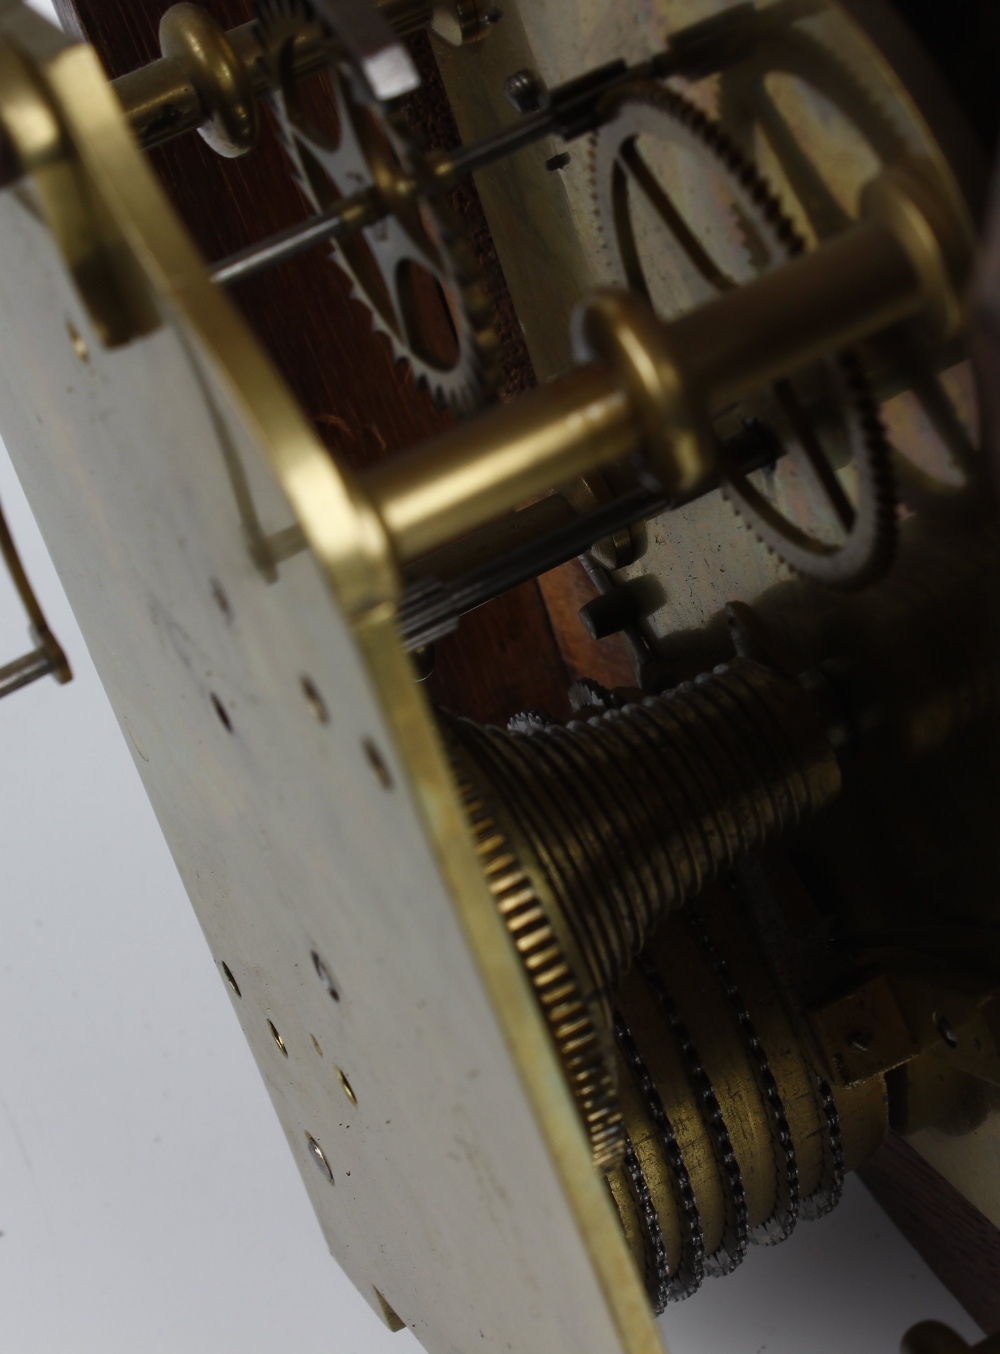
(47, 656)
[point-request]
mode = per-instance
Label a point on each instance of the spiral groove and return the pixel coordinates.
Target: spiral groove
(626, 815)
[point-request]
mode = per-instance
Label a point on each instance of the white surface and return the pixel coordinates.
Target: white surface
(148, 1201)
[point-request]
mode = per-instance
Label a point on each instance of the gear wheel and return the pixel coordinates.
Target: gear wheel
(798, 507)
(749, 113)
(414, 270)
(575, 1021)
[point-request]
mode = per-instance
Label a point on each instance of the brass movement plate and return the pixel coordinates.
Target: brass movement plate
(295, 769)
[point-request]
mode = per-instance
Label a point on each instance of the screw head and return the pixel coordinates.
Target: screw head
(943, 1026)
(523, 91)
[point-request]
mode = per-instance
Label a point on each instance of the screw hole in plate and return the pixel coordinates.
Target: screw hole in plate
(325, 976)
(346, 1087)
(222, 712)
(277, 1037)
(221, 599)
(78, 341)
(230, 979)
(316, 1152)
(377, 764)
(314, 700)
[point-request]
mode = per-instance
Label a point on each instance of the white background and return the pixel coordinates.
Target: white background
(148, 1202)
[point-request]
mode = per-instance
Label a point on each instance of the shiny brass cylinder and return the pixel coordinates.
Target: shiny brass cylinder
(853, 286)
(649, 389)
(162, 101)
(178, 94)
(482, 469)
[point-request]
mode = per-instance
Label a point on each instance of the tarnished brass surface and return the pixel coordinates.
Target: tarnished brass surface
(732, 1126)
(819, 109)
(376, 877)
(589, 836)
(728, 1047)
(815, 105)
(90, 238)
(775, 97)
(725, 1126)
(909, 259)
(624, 817)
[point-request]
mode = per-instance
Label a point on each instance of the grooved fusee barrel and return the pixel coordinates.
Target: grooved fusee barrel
(619, 819)
(703, 1102)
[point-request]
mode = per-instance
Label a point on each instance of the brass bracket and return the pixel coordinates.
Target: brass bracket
(890, 1018)
(47, 656)
(38, 67)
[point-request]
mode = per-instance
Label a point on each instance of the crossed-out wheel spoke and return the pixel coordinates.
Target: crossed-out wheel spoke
(826, 420)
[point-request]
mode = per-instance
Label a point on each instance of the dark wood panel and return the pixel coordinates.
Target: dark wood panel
(565, 591)
(503, 653)
(363, 405)
(961, 1246)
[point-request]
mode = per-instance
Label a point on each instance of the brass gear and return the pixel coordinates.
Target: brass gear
(413, 271)
(579, 1028)
(765, 236)
(732, 1134)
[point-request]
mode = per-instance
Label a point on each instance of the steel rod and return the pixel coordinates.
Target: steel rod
(428, 613)
(25, 670)
(344, 218)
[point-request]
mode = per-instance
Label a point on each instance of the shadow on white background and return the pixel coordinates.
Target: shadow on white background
(148, 1201)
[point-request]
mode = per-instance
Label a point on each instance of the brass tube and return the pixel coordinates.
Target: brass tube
(852, 287)
(855, 285)
(161, 102)
(496, 540)
(484, 468)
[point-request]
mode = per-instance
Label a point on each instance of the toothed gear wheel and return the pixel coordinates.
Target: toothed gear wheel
(574, 1020)
(414, 271)
(798, 507)
(748, 110)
